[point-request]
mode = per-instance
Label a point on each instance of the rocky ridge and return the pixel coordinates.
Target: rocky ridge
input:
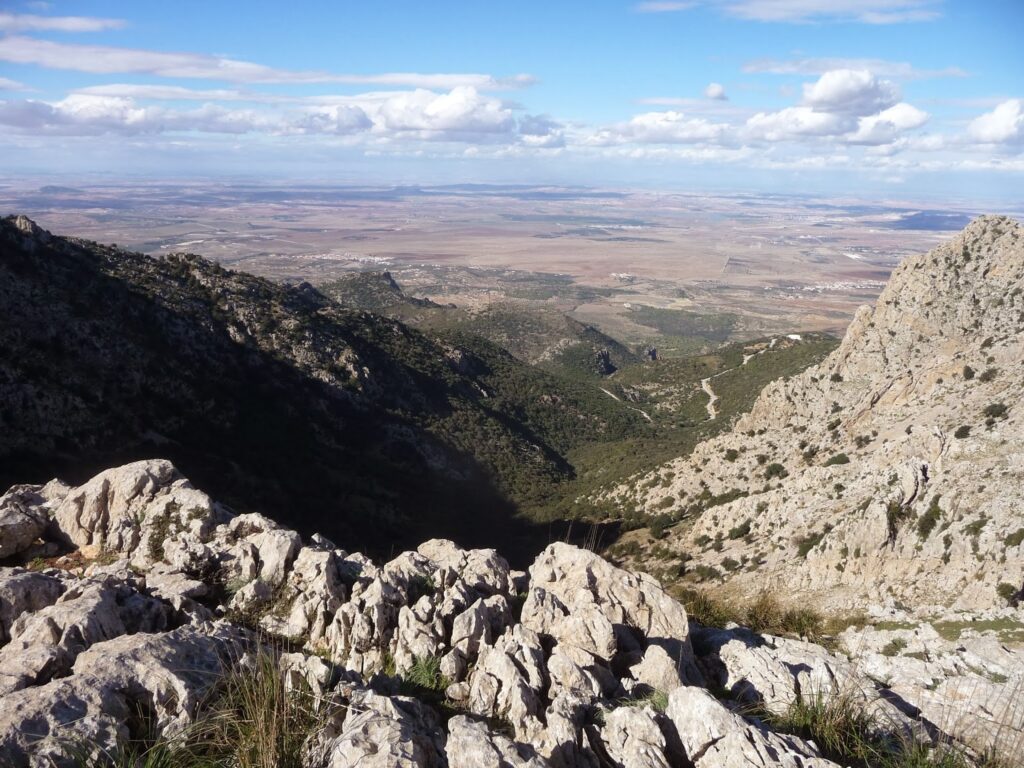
(574, 662)
(889, 474)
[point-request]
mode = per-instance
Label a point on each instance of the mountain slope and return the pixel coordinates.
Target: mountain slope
(531, 330)
(891, 471)
(327, 418)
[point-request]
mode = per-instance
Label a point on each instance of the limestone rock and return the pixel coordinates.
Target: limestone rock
(711, 735)
(633, 739)
(23, 518)
(583, 581)
(382, 732)
(471, 744)
(165, 674)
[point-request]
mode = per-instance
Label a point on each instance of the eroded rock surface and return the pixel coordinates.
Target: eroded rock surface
(439, 657)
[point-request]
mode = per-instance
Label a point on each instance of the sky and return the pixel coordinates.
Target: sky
(866, 98)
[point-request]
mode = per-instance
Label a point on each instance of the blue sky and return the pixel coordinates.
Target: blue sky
(896, 98)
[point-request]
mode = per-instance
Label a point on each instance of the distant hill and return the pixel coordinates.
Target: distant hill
(532, 332)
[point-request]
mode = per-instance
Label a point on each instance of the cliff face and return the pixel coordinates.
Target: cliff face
(147, 603)
(889, 473)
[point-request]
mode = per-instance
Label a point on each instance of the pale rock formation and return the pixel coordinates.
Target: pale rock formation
(856, 482)
(472, 745)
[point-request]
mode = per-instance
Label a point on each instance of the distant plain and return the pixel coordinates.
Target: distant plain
(617, 260)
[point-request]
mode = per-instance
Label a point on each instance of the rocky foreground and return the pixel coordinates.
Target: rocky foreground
(141, 593)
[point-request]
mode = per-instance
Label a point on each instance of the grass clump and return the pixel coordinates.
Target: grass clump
(424, 676)
(251, 719)
(706, 610)
(848, 733)
(656, 699)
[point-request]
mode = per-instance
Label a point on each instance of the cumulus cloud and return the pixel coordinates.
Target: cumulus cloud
(817, 66)
(85, 115)
(850, 91)
(541, 131)
(794, 122)
(24, 22)
(715, 91)
(459, 115)
(460, 111)
(1003, 125)
(669, 127)
(887, 125)
(6, 84)
(100, 59)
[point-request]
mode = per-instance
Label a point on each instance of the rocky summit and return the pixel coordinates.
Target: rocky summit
(887, 477)
(147, 605)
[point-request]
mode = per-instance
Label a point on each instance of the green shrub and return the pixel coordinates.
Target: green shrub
(839, 458)
(995, 410)
(927, 522)
(740, 530)
(807, 543)
(775, 470)
(731, 454)
(962, 432)
(894, 646)
(988, 374)
(895, 514)
(968, 373)
(1014, 539)
(1006, 591)
(659, 525)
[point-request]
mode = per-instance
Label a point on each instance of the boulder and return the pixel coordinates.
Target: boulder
(165, 675)
(639, 610)
(45, 644)
(711, 735)
(471, 744)
(379, 732)
(23, 592)
(23, 519)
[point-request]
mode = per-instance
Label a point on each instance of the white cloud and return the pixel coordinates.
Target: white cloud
(6, 84)
(660, 128)
(23, 22)
(459, 115)
(850, 91)
(715, 91)
(817, 66)
(886, 126)
(794, 122)
(99, 59)
(175, 93)
(1003, 125)
(663, 6)
(460, 111)
(803, 11)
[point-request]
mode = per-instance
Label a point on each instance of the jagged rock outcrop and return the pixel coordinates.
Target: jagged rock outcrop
(889, 474)
(567, 666)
